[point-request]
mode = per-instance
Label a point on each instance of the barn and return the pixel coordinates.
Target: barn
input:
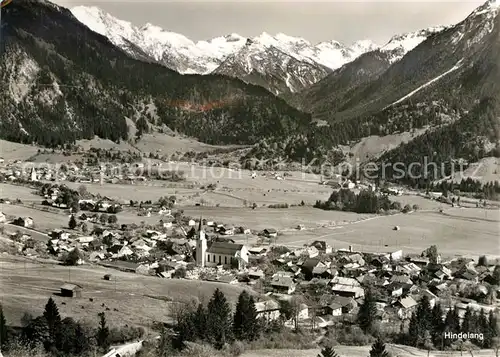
(71, 290)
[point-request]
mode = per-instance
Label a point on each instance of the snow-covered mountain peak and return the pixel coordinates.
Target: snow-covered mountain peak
(363, 46)
(399, 45)
(489, 7)
(233, 37)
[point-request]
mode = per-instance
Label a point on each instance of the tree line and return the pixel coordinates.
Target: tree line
(429, 324)
(489, 190)
(364, 202)
(57, 336)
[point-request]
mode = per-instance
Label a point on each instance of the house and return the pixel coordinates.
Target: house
(347, 304)
(256, 274)
(348, 291)
(283, 284)
(270, 233)
(85, 240)
(405, 307)
(345, 281)
(309, 265)
(26, 222)
(229, 231)
(71, 290)
(3, 218)
(269, 310)
(334, 309)
(228, 255)
(322, 246)
(260, 250)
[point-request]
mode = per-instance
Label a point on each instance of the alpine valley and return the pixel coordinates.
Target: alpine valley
(67, 75)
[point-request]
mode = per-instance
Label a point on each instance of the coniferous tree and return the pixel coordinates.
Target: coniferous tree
(424, 314)
(52, 317)
(451, 323)
(72, 222)
(467, 323)
(378, 349)
(492, 330)
(36, 332)
(245, 324)
(482, 325)
(219, 320)
(102, 335)
(413, 331)
(367, 312)
(328, 352)
(200, 322)
(3, 328)
(437, 325)
(496, 275)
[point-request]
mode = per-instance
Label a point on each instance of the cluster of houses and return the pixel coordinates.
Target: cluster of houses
(398, 282)
(17, 170)
(342, 276)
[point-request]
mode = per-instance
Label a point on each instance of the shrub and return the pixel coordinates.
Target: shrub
(179, 273)
(123, 334)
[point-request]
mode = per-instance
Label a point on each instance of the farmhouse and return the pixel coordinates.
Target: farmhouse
(270, 232)
(270, 310)
(26, 222)
(283, 284)
(71, 290)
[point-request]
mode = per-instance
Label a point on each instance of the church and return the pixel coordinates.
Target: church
(225, 254)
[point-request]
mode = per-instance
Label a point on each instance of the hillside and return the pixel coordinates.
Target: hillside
(63, 82)
(446, 87)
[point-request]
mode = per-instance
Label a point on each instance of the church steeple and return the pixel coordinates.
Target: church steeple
(200, 226)
(201, 245)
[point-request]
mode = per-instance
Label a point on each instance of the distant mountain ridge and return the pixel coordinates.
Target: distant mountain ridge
(280, 63)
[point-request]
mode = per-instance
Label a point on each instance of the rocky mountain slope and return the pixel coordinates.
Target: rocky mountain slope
(361, 70)
(279, 63)
(60, 81)
(445, 63)
(447, 87)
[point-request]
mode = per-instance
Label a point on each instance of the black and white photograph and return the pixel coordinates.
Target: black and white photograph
(249, 178)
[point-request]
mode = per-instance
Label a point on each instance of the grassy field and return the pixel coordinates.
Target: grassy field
(364, 351)
(457, 231)
(27, 285)
(281, 219)
(15, 151)
(137, 192)
(13, 191)
(43, 221)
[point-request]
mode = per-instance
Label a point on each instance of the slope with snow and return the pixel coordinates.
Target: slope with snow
(203, 57)
(400, 45)
(174, 50)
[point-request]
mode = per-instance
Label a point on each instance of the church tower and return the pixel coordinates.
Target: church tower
(201, 246)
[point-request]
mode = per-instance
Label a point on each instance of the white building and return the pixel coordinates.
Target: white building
(227, 255)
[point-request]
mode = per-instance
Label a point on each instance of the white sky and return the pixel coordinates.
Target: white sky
(343, 21)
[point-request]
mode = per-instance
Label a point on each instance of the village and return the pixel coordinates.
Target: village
(190, 248)
(175, 237)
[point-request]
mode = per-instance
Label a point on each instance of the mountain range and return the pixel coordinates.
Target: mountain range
(62, 80)
(280, 63)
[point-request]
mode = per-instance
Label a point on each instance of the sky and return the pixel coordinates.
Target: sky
(343, 21)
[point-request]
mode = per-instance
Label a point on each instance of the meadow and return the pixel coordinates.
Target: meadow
(131, 298)
(456, 231)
